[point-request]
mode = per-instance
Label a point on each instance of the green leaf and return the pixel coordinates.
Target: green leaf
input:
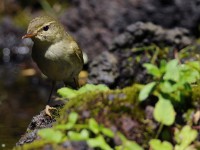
(94, 126)
(92, 87)
(156, 144)
(130, 145)
(166, 87)
(64, 126)
(127, 144)
(102, 87)
(67, 92)
(75, 136)
(51, 135)
(72, 119)
(107, 132)
(189, 74)
(164, 112)
(99, 142)
(172, 71)
(153, 70)
(194, 65)
(70, 93)
(163, 64)
(185, 137)
(144, 93)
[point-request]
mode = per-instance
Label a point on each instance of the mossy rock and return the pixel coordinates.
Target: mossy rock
(118, 110)
(196, 95)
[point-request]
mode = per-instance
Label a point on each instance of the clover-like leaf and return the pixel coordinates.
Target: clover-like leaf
(164, 112)
(184, 137)
(156, 144)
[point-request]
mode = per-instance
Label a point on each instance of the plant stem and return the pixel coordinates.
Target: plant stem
(159, 130)
(154, 57)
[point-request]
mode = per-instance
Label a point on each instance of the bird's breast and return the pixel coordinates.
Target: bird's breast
(55, 61)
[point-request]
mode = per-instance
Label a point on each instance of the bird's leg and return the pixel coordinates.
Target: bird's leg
(52, 88)
(48, 108)
(76, 83)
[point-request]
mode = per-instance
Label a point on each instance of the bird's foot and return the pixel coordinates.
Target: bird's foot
(47, 110)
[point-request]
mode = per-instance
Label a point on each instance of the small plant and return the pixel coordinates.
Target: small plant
(94, 134)
(183, 139)
(171, 79)
(71, 93)
(172, 84)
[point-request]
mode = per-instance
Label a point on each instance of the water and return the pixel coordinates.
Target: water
(21, 98)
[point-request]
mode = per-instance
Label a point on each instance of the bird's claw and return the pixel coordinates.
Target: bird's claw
(47, 110)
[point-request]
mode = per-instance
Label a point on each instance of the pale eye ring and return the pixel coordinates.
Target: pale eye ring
(46, 28)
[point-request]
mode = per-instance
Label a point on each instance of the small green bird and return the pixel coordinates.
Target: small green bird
(56, 53)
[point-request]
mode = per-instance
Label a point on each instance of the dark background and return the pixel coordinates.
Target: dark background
(93, 23)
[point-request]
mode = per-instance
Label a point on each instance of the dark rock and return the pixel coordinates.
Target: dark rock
(38, 122)
(131, 51)
(148, 33)
(95, 23)
(27, 138)
(122, 39)
(104, 69)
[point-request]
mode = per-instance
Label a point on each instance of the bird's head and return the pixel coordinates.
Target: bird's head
(45, 28)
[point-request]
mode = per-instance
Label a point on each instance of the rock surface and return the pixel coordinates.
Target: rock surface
(113, 109)
(38, 122)
(140, 43)
(103, 69)
(98, 22)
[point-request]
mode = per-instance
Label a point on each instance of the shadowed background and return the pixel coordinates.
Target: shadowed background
(93, 23)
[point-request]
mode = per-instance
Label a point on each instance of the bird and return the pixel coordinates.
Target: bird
(55, 52)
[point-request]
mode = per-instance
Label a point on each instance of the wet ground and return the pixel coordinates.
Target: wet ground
(22, 92)
(22, 96)
(20, 100)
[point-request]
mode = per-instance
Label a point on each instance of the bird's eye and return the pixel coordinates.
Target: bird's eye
(46, 28)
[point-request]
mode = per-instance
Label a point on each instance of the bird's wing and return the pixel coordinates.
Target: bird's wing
(79, 53)
(76, 49)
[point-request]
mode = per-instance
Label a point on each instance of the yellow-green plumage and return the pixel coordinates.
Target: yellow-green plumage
(56, 53)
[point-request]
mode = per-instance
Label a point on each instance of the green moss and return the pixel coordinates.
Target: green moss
(112, 101)
(36, 145)
(196, 93)
(111, 108)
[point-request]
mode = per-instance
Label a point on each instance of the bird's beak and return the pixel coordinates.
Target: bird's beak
(28, 35)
